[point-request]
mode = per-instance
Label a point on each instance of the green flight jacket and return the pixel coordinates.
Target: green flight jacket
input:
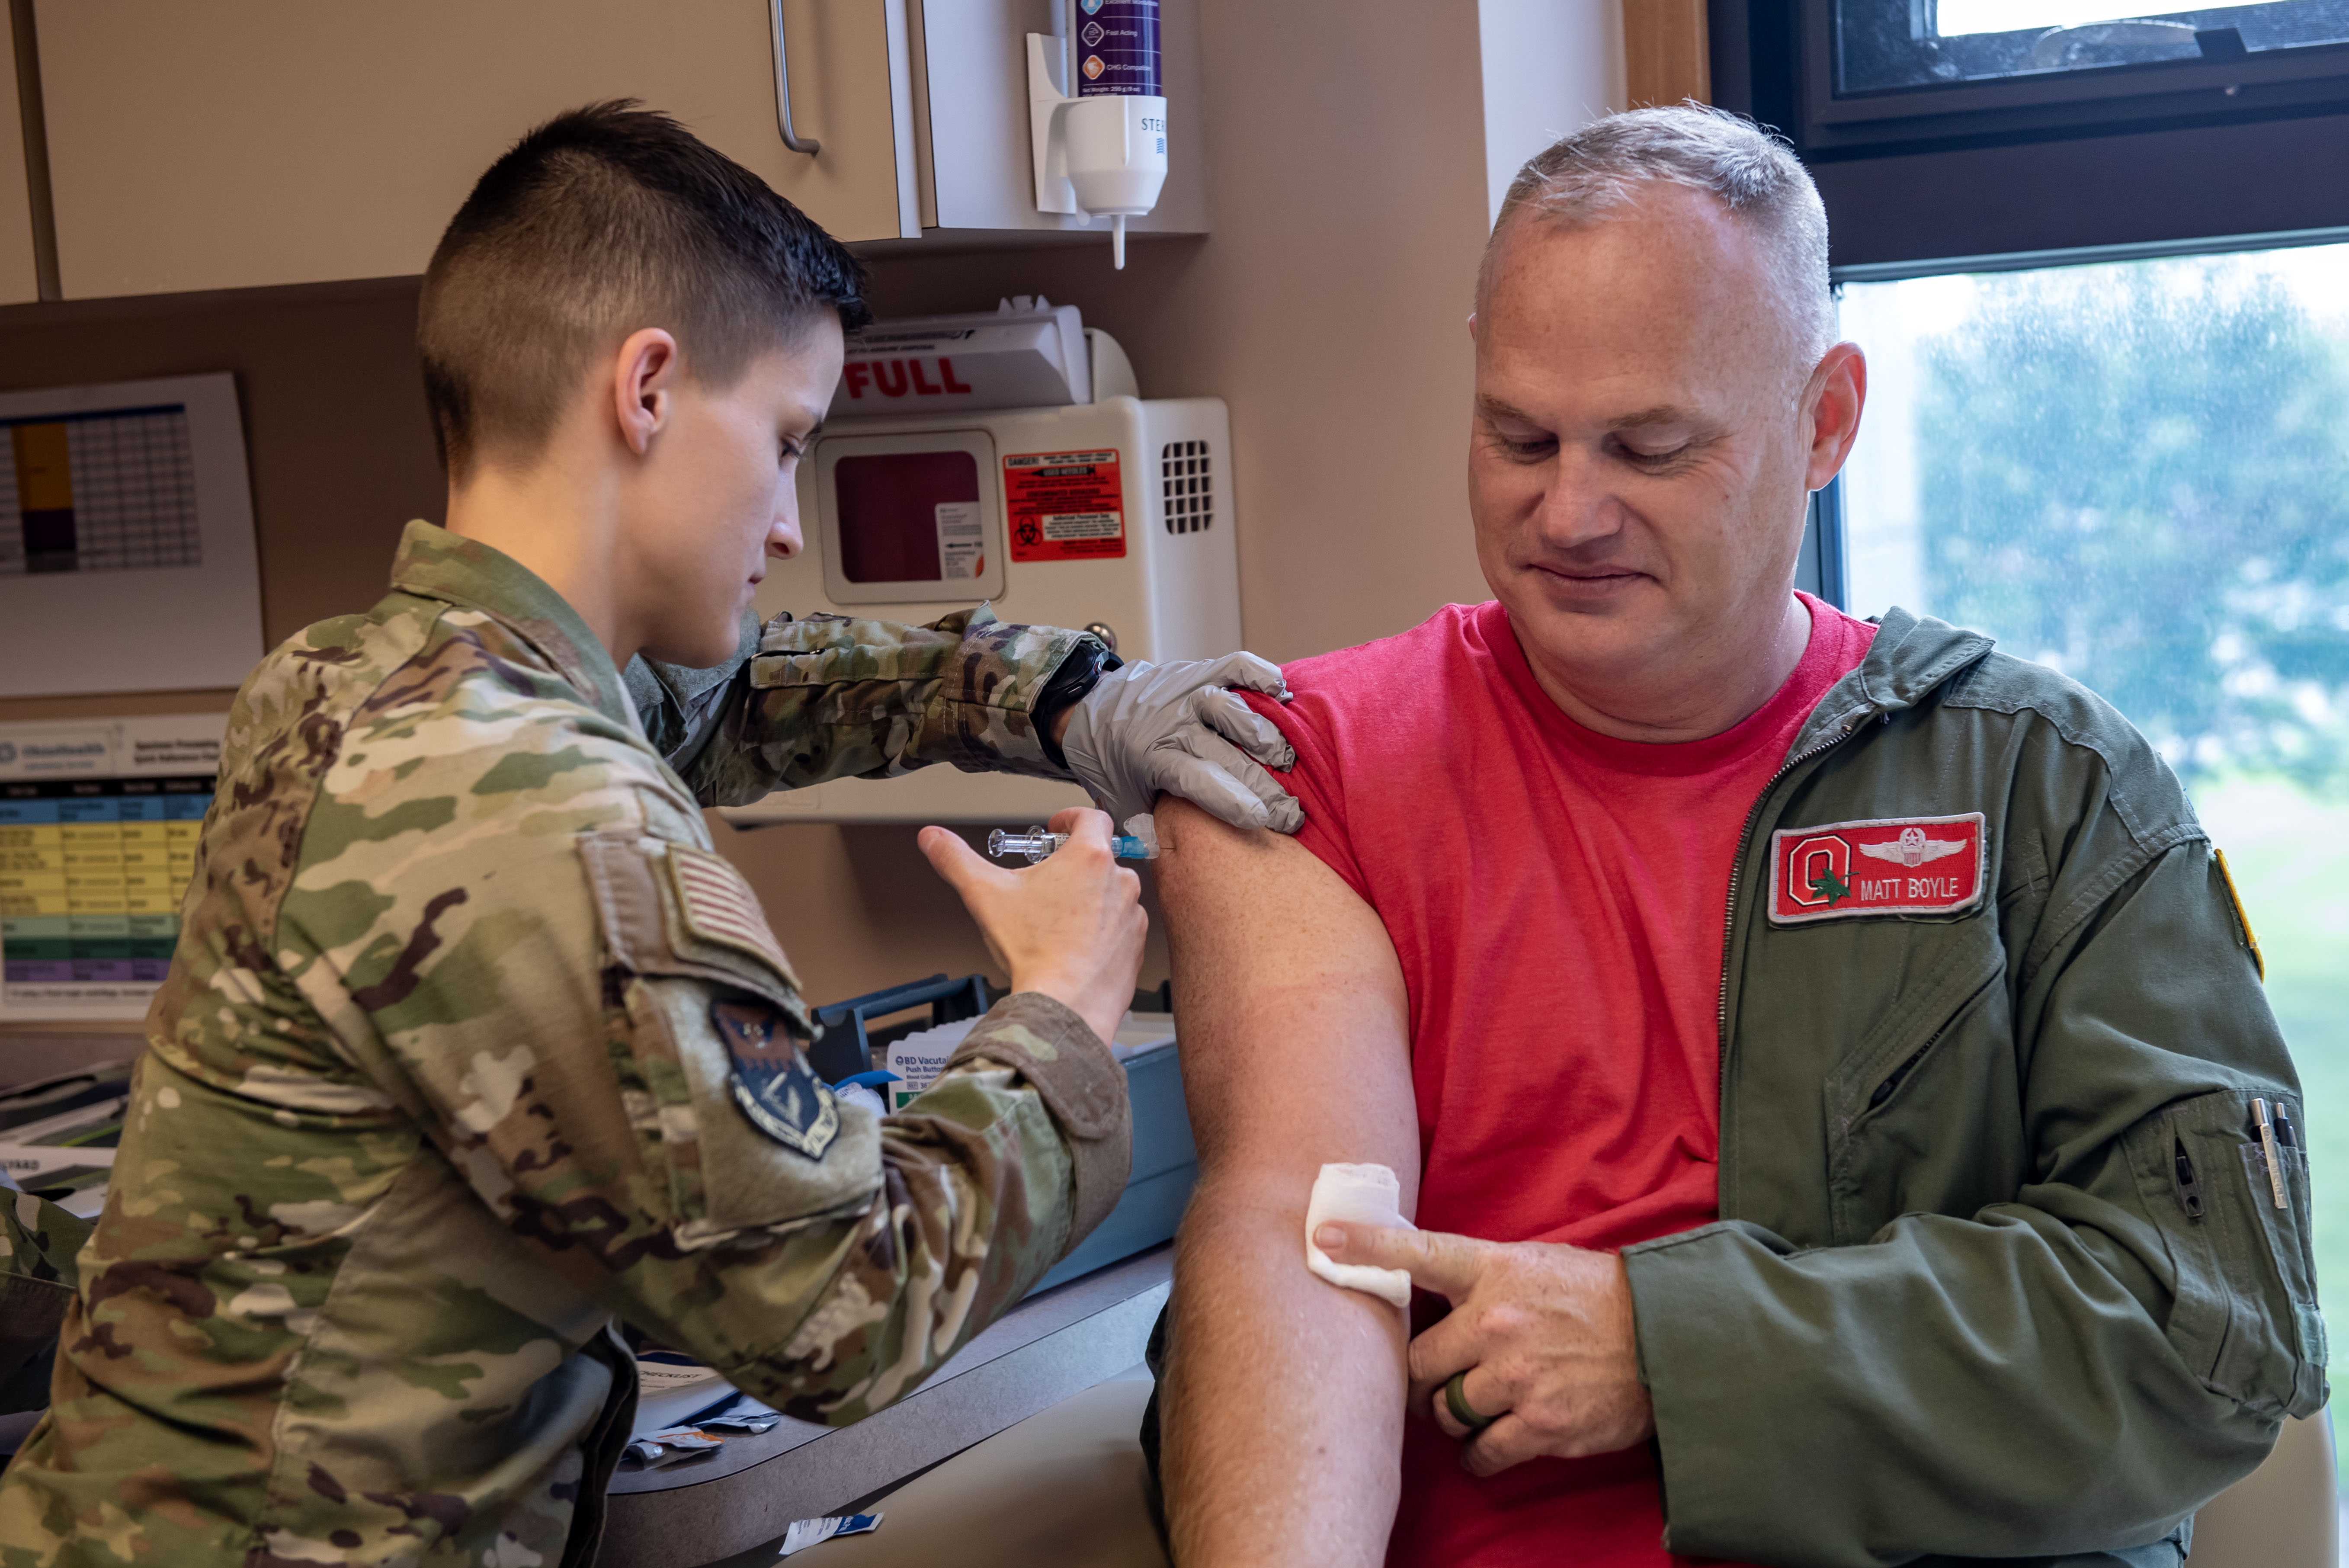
(1998, 1272)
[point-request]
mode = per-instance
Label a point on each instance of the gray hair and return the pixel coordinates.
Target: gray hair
(1596, 172)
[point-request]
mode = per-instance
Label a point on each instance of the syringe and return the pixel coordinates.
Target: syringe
(1138, 842)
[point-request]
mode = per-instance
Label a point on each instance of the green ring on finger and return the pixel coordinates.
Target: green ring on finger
(1456, 1398)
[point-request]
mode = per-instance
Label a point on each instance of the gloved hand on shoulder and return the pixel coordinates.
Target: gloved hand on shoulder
(1179, 728)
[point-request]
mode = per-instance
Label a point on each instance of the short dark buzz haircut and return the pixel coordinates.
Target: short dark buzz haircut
(601, 222)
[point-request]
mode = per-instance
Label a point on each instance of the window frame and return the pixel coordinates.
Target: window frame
(2162, 169)
(2102, 92)
(1819, 570)
(2312, 76)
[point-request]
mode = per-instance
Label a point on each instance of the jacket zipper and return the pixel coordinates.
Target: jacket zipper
(1883, 1090)
(1737, 870)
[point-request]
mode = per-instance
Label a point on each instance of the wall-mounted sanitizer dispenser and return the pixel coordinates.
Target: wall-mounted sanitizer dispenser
(1006, 458)
(1101, 147)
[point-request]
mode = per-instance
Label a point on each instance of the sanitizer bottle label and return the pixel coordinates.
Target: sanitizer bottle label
(1117, 48)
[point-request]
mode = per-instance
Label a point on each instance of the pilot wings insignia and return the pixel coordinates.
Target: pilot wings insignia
(1912, 848)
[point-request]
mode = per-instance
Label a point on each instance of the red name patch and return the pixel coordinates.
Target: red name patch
(1895, 866)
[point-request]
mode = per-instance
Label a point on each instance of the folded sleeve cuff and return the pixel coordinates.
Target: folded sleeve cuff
(1081, 1084)
(1676, 1287)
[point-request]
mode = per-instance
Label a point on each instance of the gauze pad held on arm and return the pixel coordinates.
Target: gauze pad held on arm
(1357, 1195)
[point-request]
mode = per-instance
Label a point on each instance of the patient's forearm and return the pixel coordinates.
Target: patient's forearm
(1283, 1410)
(1283, 1407)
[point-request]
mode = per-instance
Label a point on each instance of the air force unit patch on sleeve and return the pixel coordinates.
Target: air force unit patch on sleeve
(772, 1081)
(1892, 866)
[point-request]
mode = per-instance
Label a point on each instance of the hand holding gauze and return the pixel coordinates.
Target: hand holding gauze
(1357, 1195)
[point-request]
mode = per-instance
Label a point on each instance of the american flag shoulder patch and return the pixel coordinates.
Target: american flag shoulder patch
(719, 906)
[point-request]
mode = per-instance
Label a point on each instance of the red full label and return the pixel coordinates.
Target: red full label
(1892, 866)
(915, 376)
(1064, 505)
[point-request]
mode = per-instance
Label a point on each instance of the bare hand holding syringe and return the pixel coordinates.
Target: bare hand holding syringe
(1070, 926)
(1138, 842)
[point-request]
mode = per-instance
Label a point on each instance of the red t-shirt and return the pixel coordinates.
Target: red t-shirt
(1557, 899)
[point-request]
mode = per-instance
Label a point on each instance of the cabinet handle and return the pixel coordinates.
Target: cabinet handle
(791, 139)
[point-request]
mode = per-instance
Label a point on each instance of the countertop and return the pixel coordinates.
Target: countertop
(1049, 1348)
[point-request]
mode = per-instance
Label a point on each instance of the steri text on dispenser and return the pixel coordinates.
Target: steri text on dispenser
(1005, 458)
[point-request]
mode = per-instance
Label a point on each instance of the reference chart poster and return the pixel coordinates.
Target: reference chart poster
(126, 506)
(113, 491)
(99, 824)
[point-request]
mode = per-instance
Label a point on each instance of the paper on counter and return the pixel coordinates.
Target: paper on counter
(659, 1451)
(1357, 1195)
(805, 1532)
(671, 1389)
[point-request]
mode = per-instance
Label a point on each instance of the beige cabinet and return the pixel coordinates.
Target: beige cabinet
(198, 144)
(19, 280)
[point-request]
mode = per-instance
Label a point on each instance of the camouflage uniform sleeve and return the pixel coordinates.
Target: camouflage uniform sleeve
(682, 708)
(590, 1016)
(832, 697)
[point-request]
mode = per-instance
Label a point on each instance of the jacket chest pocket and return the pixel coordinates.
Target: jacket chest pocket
(1925, 1113)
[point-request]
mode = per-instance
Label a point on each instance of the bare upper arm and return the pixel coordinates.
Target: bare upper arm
(1296, 1024)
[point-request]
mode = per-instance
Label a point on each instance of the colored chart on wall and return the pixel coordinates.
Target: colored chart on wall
(128, 560)
(99, 824)
(90, 878)
(111, 491)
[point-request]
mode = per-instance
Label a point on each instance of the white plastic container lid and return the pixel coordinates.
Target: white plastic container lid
(1027, 353)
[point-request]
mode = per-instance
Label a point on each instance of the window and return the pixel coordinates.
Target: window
(2139, 472)
(1967, 129)
(1881, 70)
(1889, 45)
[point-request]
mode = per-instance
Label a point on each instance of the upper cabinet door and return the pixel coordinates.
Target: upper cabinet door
(198, 144)
(19, 280)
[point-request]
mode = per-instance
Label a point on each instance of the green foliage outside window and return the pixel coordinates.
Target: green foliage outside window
(2143, 476)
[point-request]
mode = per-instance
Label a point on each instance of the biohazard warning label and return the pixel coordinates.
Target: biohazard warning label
(1892, 866)
(1064, 506)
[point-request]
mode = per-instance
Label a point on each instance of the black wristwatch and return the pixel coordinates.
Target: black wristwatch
(1086, 664)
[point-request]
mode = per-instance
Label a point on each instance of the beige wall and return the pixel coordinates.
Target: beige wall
(1327, 307)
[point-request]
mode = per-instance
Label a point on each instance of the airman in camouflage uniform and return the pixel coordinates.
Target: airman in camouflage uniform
(501, 1049)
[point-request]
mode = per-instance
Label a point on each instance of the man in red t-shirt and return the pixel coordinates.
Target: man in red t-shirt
(1791, 1195)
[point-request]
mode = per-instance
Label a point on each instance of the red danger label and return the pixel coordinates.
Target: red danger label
(1895, 865)
(1064, 505)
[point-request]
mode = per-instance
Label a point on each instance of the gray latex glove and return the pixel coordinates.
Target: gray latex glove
(1145, 728)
